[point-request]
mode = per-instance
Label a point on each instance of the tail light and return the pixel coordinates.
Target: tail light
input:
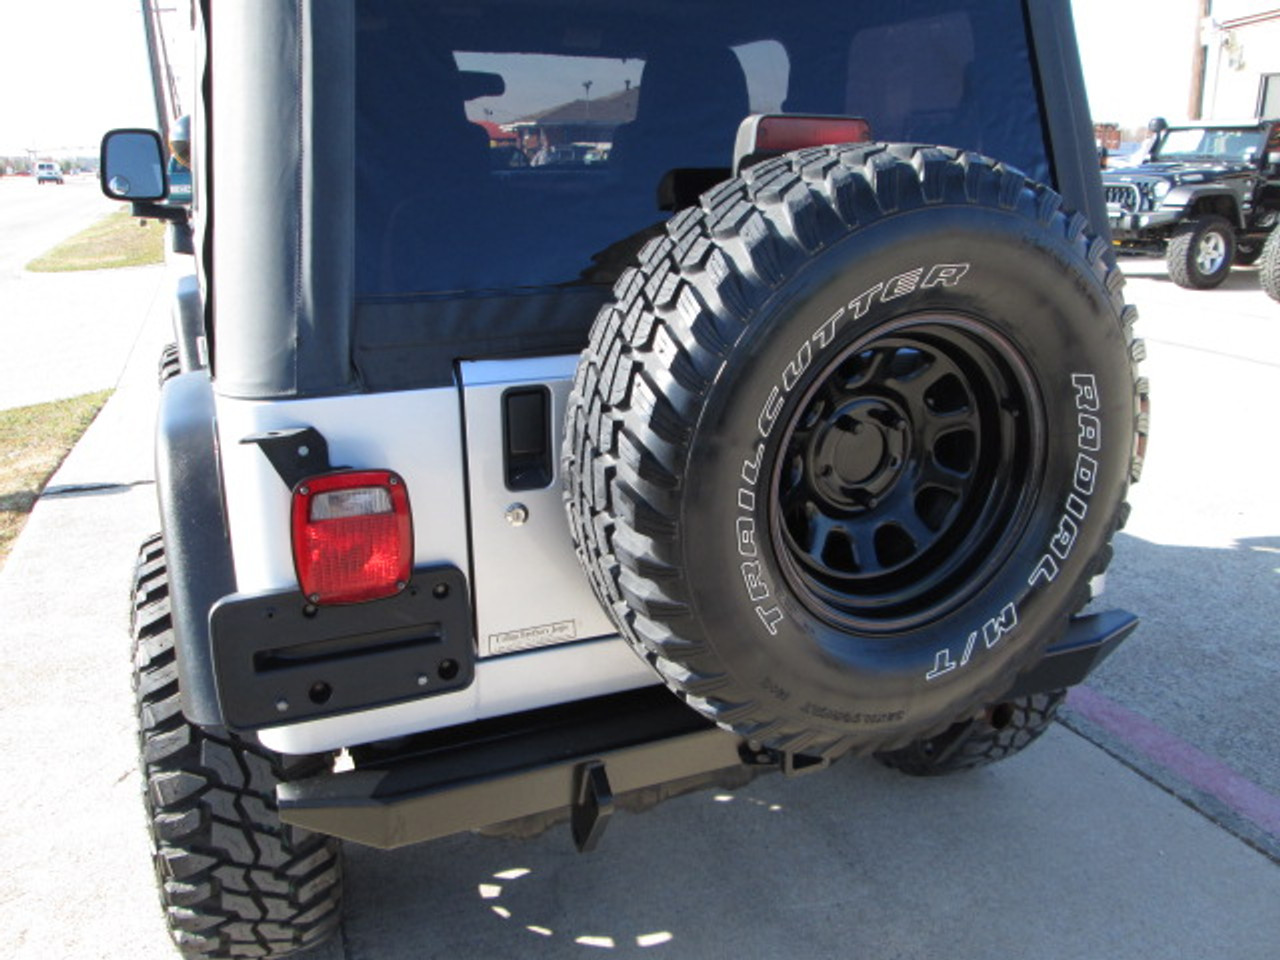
(352, 536)
(761, 136)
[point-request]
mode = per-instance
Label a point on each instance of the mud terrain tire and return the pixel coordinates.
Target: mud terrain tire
(996, 734)
(234, 881)
(1200, 252)
(1248, 252)
(169, 365)
(809, 591)
(1269, 266)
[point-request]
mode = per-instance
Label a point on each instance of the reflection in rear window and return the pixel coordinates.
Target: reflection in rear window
(515, 145)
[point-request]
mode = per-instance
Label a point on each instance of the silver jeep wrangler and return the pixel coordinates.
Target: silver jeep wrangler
(578, 403)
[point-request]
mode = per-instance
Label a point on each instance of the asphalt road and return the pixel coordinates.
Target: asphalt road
(63, 334)
(34, 217)
(1150, 827)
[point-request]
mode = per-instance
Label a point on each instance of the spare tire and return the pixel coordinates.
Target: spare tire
(846, 451)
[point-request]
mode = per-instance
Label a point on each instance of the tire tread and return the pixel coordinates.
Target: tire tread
(233, 879)
(1180, 252)
(1269, 265)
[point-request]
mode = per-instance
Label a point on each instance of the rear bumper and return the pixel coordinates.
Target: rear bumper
(582, 760)
(538, 763)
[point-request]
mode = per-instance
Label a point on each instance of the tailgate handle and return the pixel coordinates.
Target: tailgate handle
(526, 438)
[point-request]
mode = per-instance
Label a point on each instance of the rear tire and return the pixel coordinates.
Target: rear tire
(1200, 252)
(169, 364)
(233, 880)
(1269, 268)
(1248, 252)
(1001, 731)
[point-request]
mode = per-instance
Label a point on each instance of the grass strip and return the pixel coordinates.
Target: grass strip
(117, 240)
(34, 441)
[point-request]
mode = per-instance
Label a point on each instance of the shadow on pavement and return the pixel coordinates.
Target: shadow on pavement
(1204, 667)
(1153, 268)
(1060, 847)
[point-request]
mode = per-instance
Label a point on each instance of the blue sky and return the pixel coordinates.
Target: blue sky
(74, 68)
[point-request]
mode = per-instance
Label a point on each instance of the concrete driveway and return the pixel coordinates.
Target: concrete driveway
(1148, 828)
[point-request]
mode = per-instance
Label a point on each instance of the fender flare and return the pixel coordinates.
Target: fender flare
(1187, 197)
(196, 539)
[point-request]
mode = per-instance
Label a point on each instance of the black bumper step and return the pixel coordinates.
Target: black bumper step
(578, 759)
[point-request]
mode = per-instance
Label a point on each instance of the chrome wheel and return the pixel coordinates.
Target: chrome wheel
(1211, 253)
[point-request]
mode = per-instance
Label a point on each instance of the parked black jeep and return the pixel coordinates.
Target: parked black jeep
(752, 432)
(1206, 196)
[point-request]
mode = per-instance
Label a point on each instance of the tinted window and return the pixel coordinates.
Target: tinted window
(521, 145)
(1242, 144)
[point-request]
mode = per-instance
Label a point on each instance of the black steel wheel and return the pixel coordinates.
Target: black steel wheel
(844, 454)
(903, 469)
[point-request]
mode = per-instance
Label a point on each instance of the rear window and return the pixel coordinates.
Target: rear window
(512, 146)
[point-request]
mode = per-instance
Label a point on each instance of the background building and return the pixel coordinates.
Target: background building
(1240, 46)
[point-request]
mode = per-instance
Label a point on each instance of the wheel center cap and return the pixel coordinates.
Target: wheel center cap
(859, 453)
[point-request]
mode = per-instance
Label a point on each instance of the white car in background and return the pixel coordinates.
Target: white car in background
(48, 172)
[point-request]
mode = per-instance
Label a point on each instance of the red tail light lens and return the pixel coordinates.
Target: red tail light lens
(764, 135)
(352, 536)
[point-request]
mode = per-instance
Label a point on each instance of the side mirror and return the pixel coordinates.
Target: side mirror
(1273, 158)
(133, 165)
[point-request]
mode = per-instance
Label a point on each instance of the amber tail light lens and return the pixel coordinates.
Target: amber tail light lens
(352, 536)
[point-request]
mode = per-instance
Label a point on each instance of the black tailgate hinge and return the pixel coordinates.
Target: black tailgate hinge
(295, 454)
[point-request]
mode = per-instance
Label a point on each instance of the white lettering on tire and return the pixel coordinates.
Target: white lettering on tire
(1075, 508)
